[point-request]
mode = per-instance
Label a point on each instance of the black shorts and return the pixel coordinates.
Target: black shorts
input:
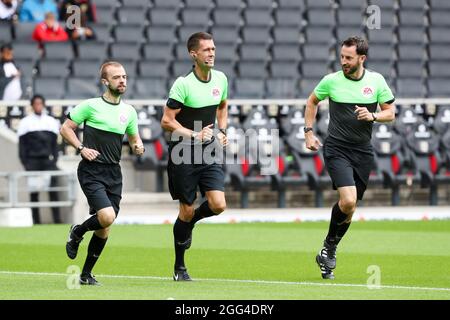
(185, 178)
(348, 166)
(101, 184)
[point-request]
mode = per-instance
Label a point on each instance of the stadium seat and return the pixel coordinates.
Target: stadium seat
(126, 15)
(286, 35)
(442, 120)
(51, 88)
(410, 51)
(439, 35)
(410, 68)
(59, 50)
(321, 4)
(439, 68)
(85, 68)
(424, 144)
(320, 17)
(163, 17)
(92, 50)
(199, 3)
(226, 66)
(289, 17)
(169, 4)
(252, 69)
(226, 35)
(186, 31)
(136, 3)
(157, 51)
(82, 88)
(129, 32)
(5, 32)
(102, 31)
(256, 35)
(265, 4)
(258, 17)
(150, 88)
(438, 87)
(180, 68)
(161, 34)
(413, 4)
(23, 31)
(131, 70)
(439, 51)
(390, 161)
(314, 69)
(349, 17)
(410, 87)
(343, 32)
(411, 34)
(125, 50)
(153, 68)
(26, 51)
(254, 52)
(314, 52)
(439, 17)
(382, 36)
(247, 88)
(307, 85)
(53, 68)
(282, 88)
(285, 69)
(319, 35)
(229, 3)
(230, 17)
(352, 4)
(196, 17)
(282, 52)
(106, 15)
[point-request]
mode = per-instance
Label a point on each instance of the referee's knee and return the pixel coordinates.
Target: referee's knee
(218, 206)
(347, 206)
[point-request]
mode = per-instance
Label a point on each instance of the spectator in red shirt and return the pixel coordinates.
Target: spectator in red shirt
(49, 30)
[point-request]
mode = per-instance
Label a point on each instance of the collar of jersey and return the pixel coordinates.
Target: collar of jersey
(114, 104)
(364, 72)
(210, 75)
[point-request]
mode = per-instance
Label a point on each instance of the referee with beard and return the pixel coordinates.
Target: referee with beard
(354, 94)
(106, 119)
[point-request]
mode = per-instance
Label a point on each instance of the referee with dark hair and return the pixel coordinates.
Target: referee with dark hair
(195, 101)
(354, 94)
(106, 119)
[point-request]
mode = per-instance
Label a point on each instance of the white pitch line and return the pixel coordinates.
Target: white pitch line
(25, 273)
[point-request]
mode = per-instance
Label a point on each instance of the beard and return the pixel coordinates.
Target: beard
(117, 91)
(351, 69)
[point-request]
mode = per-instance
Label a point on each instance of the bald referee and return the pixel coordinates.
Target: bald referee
(106, 119)
(354, 94)
(195, 101)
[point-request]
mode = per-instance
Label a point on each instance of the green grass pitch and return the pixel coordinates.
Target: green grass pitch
(234, 261)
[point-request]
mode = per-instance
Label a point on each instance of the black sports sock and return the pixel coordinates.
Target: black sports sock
(337, 220)
(95, 248)
(181, 232)
(204, 211)
(342, 229)
(90, 224)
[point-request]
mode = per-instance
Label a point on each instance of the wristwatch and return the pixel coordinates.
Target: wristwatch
(224, 131)
(80, 147)
(307, 129)
(374, 116)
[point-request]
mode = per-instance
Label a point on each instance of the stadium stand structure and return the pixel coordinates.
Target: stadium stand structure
(269, 49)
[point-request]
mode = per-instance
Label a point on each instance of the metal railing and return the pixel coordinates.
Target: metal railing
(17, 183)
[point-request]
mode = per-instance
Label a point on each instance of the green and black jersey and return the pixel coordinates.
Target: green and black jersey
(105, 124)
(197, 99)
(344, 95)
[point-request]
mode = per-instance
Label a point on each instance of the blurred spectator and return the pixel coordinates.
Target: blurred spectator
(49, 30)
(7, 9)
(35, 10)
(10, 87)
(38, 151)
(87, 15)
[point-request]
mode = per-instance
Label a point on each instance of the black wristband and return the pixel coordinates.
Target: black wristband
(224, 131)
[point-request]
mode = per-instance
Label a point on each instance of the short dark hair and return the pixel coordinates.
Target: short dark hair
(195, 38)
(362, 47)
(37, 96)
(6, 46)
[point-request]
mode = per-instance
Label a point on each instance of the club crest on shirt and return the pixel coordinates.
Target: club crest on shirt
(367, 92)
(216, 92)
(123, 119)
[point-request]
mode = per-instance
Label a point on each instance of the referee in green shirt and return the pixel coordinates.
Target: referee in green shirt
(354, 95)
(106, 119)
(195, 101)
